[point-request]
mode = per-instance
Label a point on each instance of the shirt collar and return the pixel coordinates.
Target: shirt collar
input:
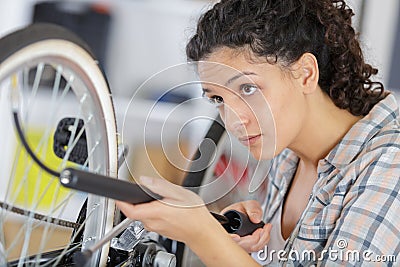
(382, 114)
(287, 170)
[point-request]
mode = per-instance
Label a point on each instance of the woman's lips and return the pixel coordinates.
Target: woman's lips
(249, 140)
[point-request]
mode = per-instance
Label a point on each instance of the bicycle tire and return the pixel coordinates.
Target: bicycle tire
(50, 45)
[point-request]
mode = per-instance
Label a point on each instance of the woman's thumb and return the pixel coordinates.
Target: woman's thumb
(253, 210)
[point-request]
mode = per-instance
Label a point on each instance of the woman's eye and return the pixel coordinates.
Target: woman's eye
(248, 89)
(216, 100)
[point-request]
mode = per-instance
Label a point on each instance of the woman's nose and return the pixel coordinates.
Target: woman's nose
(235, 118)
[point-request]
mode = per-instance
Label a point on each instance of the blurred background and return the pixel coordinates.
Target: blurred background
(135, 39)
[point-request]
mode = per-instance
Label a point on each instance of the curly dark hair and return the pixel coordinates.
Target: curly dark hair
(281, 31)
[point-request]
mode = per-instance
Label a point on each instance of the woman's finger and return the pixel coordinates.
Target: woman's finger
(264, 238)
(160, 186)
(248, 207)
(171, 194)
(247, 242)
(253, 210)
(235, 237)
(140, 211)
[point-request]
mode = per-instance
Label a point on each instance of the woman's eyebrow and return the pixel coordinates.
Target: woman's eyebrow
(231, 80)
(245, 73)
(205, 90)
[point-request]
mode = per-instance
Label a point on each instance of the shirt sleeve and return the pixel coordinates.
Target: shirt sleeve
(368, 229)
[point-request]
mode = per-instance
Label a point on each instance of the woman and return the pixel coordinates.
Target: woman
(333, 186)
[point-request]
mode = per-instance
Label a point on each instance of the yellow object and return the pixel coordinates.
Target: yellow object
(33, 188)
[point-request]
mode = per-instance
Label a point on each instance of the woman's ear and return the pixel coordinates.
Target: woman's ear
(308, 73)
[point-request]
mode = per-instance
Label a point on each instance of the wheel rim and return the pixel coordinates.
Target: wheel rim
(94, 107)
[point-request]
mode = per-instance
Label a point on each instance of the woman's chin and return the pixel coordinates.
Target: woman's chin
(260, 154)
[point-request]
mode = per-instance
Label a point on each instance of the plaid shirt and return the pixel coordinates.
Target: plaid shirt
(353, 215)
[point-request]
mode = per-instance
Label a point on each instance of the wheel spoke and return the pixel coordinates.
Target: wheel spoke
(65, 251)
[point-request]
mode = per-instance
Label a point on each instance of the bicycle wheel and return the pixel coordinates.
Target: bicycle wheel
(49, 76)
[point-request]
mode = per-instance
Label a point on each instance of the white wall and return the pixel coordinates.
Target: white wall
(14, 14)
(379, 31)
(148, 36)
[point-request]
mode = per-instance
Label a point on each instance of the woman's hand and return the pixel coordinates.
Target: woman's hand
(259, 238)
(180, 215)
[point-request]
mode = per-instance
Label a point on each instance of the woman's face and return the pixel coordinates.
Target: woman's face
(258, 102)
